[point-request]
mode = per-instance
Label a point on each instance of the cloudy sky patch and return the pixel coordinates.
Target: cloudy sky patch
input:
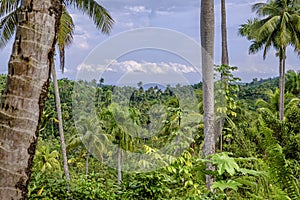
(177, 15)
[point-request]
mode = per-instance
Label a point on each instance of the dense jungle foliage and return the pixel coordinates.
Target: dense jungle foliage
(258, 155)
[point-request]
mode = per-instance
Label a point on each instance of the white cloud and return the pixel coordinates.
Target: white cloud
(132, 66)
(137, 9)
(86, 67)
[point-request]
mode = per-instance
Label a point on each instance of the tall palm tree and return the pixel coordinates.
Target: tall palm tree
(224, 82)
(14, 13)
(207, 43)
(279, 27)
(26, 91)
(91, 136)
(293, 82)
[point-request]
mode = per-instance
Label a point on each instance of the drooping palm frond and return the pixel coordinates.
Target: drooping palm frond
(8, 26)
(8, 6)
(99, 14)
(65, 35)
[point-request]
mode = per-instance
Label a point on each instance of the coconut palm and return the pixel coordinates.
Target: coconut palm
(120, 127)
(293, 82)
(279, 27)
(207, 43)
(225, 62)
(28, 75)
(26, 91)
(91, 136)
(273, 102)
(47, 160)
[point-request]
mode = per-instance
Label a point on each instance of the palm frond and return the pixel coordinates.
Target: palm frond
(99, 14)
(8, 26)
(8, 6)
(65, 35)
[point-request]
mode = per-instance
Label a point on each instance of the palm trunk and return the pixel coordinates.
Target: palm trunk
(281, 85)
(25, 94)
(225, 61)
(225, 58)
(119, 164)
(60, 125)
(87, 163)
(207, 42)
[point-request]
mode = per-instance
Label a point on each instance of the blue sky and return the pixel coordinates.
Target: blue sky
(177, 15)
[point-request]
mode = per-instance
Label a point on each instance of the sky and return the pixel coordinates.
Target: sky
(159, 61)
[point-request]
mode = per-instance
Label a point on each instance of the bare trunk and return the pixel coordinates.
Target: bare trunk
(225, 58)
(119, 164)
(281, 86)
(207, 42)
(87, 163)
(225, 61)
(60, 125)
(25, 94)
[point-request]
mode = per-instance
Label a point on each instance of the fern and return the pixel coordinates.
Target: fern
(277, 163)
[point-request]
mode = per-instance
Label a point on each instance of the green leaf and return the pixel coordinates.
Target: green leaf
(225, 163)
(222, 185)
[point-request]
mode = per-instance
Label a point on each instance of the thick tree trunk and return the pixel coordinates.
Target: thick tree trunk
(60, 125)
(281, 86)
(207, 42)
(25, 93)
(119, 164)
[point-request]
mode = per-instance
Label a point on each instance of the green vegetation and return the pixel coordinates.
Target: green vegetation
(260, 158)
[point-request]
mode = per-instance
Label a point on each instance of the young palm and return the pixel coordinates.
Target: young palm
(293, 82)
(279, 27)
(90, 135)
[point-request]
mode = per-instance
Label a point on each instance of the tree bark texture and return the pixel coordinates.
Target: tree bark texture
(225, 61)
(282, 87)
(225, 58)
(25, 94)
(119, 164)
(60, 124)
(87, 163)
(207, 43)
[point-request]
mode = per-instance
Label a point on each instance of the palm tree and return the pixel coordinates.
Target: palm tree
(279, 28)
(273, 103)
(224, 82)
(207, 42)
(293, 82)
(26, 91)
(47, 160)
(90, 135)
(15, 13)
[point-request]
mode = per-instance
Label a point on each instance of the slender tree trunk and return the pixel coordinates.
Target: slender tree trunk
(25, 94)
(225, 57)
(225, 61)
(119, 164)
(281, 84)
(207, 42)
(60, 125)
(87, 163)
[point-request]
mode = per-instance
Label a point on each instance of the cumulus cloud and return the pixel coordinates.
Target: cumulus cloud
(137, 9)
(132, 66)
